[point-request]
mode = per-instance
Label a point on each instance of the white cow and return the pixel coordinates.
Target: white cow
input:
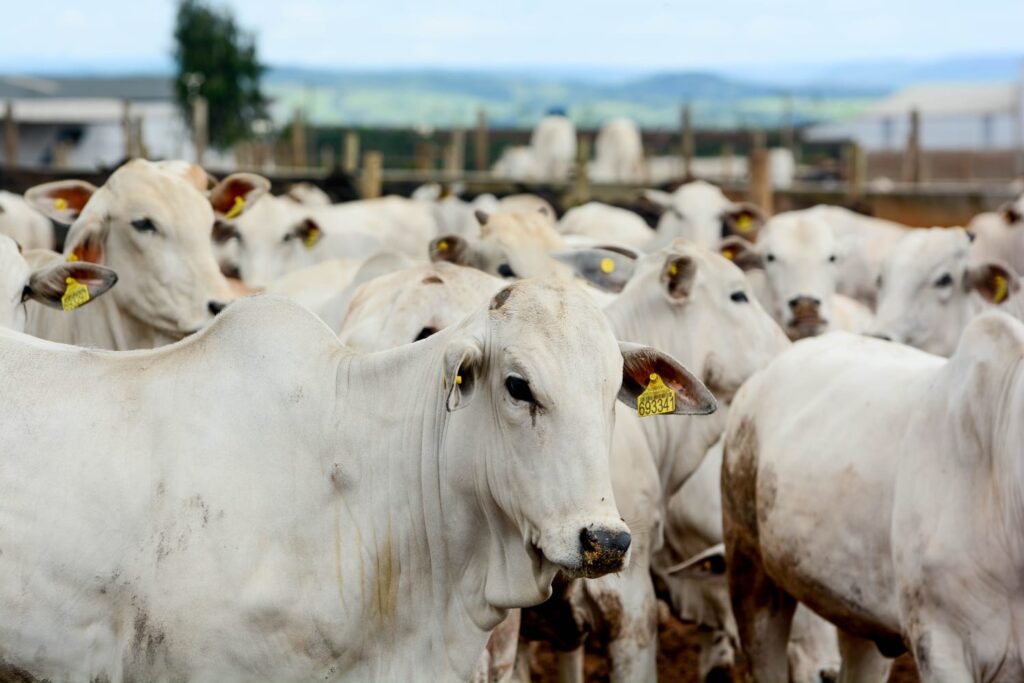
(517, 162)
(49, 285)
(606, 224)
(801, 260)
(882, 486)
(150, 225)
(553, 145)
(700, 212)
(454, 215)
(691, 567)
(363, 518)
(22, 223)
(931, 289)
(308, 194)
(618, 153)
(1000, 235)
(279, 236)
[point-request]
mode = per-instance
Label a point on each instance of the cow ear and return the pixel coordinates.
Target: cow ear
(658, 198)
(451, 248)
(603, 268)
(741, 252)
(69, 285)
(463, 361)
(308, 232)
(704, 566)
(63, 200)
(994, 281)
(743, 219)
(1010, 213)
(677, 276)
(640, 363)
(236, 194)
(481, 217)
(223, 231)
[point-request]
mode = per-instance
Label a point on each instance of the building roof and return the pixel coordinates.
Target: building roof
(944, 99)
(136, 88)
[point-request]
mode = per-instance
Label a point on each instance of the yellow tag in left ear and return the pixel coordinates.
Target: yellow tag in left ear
(312, 237)
(60, 204)
(237, 208)
(76, 294)
(673, 270)
(744, 222)
(607, 266)
(728, 253)
(442, 245)
(1002, 288)
(656, 399)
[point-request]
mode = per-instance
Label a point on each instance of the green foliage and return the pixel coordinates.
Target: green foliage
(209, 43)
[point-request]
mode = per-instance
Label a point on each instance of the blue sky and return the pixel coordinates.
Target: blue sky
(637, 35)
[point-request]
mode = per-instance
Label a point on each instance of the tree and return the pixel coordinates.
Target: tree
(217, 59)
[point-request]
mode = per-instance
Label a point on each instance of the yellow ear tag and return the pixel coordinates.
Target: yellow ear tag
(1002, 289)
(656, 399)
(458, 379)
(75, 295)
(60, 204)
(312, 237)
(73, 257)
(744, 222)
(607, 266)
(237, 208)
(442, 245)
(673, 269)
(728, 253)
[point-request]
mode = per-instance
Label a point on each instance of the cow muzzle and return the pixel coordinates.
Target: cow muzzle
(805, 317)
(603, 550)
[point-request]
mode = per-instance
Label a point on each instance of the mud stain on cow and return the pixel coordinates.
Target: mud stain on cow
(386, 577)
(14, 674)
(149, 644)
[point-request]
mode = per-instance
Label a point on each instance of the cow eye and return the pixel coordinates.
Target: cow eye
(288, 237)
(425, 332)
(505, 270)
(519, 389)
(878, 282)
(832, 258)
(770, 257)
(945, 281)
(144, 225)
(739, 297)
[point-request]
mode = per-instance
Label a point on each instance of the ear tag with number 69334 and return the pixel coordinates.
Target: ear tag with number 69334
(656, 399)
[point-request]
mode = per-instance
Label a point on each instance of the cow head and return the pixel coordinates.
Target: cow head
(929, 290)
(700, 212)
(530, 385)
(151, 225)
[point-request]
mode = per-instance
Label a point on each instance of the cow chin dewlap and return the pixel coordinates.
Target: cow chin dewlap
(588, 550)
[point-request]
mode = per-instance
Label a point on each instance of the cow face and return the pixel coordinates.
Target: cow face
(531, 386)
(800, 257)
(48, 285)
(929, 290)
(701, 213)
(703, 312)
(152, 226)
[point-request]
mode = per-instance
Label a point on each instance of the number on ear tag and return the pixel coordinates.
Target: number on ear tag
(656, 399)
(76, 294)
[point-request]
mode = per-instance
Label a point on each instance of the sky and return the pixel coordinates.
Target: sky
(637, 35)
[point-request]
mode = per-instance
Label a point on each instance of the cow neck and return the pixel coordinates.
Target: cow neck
(99, 325)
(677, 443)
(438, 563)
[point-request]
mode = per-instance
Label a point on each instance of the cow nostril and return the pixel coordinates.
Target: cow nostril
(426, 332)
(828, 676)
(604, 541)
(719, 674)
(215, 307)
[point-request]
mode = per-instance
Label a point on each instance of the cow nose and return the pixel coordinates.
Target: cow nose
(603, 550)
(828, 676)
(798, 301)
(719, 674)
(215, 307)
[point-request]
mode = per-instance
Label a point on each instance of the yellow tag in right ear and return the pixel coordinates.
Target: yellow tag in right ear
(60, 204)
(237, 208)
(744, 222)
(76, 294)
(728, 253)
(656, 399)
(312, 237)
(607, 266)
(673, 270)
(1002, 288)
(442, 245)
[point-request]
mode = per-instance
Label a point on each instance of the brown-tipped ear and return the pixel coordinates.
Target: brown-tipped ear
(234, 195)
(994, 281)
(741, 252)
(605, 269)
(706, 565)
(60, 286)
(744, 220)
(308, 232)
(462, 365)
(481, 217)
(639, 363)
(1010, 213)
(677, 275)
(451, 248)
(63, 200)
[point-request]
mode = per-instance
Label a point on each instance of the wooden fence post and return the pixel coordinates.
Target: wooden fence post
(857, 171)
(370, 180)
(455, 153)
(127, 131)
(200, 120)
(480, 142)
(761, 191)
(351, 158)
(580, 193)
(299, 157)
(912, 156)
(10, 137)
(687, 142)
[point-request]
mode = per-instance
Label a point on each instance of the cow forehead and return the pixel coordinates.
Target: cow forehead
(712, 268)
(700, 196)
(798, 235)
(140, 189)
(269, 215)
(924, 250)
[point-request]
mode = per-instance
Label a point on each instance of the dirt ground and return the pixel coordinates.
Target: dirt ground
(677, 659)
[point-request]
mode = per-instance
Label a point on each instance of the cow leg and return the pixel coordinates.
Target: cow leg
(632, 624)
(862, 662)
(764, 614)
(570, 666)
(940, 656)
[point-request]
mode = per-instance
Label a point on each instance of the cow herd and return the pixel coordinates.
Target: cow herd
(259, 437)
